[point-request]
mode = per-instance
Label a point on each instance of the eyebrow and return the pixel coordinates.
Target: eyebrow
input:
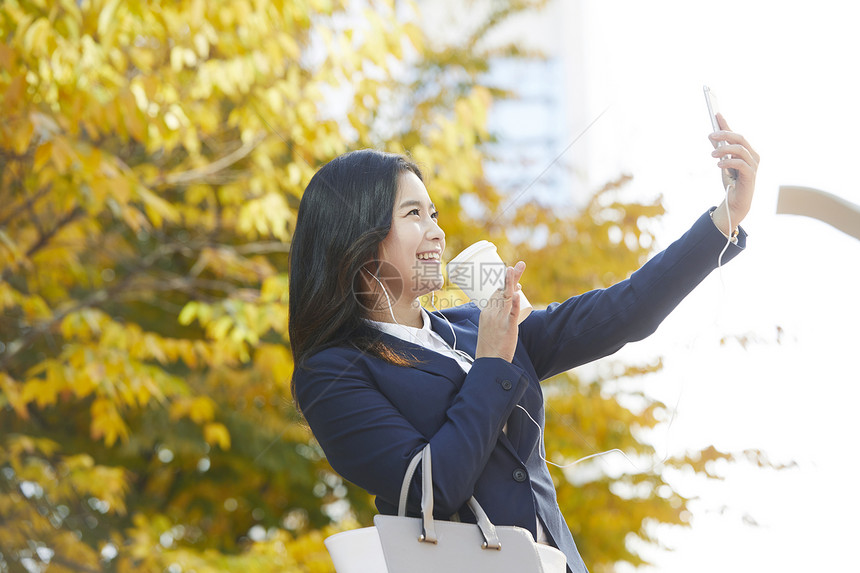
(415, 203)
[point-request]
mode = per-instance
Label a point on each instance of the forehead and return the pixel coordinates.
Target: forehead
(411, 189)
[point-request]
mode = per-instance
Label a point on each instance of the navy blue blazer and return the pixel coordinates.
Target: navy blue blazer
(371, 417)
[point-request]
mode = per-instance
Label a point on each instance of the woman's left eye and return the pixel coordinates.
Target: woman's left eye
(416, 211)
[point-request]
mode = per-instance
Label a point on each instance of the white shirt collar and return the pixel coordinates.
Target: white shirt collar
(424, 336)
(405, 332)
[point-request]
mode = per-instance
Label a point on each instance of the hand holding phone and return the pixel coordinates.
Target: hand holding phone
(713, 110)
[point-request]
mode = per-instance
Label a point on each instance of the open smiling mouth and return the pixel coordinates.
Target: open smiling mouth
(429, 257)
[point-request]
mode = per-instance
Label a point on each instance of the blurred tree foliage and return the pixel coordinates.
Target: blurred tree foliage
(152, 157)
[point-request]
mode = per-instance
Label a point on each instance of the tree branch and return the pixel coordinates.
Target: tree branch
(262, 247)
(55, 560)
(28, 203)
(45, 237)
(16, 346)
(185, 177)
(97, 297)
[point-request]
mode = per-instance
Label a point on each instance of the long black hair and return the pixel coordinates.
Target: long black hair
(344, 214)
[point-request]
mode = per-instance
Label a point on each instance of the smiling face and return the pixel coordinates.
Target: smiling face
(411, 253)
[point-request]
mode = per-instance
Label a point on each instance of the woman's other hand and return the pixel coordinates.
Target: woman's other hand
(738, 155)
(497, 326)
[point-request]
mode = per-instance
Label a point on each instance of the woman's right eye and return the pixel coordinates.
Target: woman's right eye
(415, 211)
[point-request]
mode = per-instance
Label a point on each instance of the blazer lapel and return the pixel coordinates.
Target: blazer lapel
(522, 435)
(466, 333)
(427, 360)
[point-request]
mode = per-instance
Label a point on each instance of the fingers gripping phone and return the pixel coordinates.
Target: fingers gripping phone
(713, 110)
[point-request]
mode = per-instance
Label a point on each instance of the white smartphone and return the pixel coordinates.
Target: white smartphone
(713, 110)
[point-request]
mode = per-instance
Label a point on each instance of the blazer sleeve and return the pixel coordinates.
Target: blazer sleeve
(370, 443)
(598, 323)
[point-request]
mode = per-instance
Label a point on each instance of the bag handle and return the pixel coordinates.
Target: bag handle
(428, 535)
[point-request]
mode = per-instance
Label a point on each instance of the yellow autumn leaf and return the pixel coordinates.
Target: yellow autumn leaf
(275, 288)
(216, 434)
(188, 313)
(276, 361)
(10, 393)
(42, 156)
(201, 409)
(218, 329)
(185, 349)
(415, 35)
(106, 422)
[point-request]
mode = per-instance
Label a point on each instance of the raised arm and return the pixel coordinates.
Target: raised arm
(598, 323)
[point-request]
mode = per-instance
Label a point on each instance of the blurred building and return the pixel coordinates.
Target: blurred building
(539, 153)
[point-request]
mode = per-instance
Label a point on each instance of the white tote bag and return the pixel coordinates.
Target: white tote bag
(400, 544)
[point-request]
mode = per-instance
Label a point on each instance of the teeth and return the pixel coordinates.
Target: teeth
(428, 256)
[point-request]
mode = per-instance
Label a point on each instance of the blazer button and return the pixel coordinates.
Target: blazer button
(507, 384)
(520, 475)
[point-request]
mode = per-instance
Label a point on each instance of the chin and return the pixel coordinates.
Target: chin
(430, 285)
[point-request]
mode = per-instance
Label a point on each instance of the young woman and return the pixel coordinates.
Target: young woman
(378, 378)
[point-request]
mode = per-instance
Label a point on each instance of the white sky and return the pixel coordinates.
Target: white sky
(786, 76)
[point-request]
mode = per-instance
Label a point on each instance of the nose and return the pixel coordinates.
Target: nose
(435, 232)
